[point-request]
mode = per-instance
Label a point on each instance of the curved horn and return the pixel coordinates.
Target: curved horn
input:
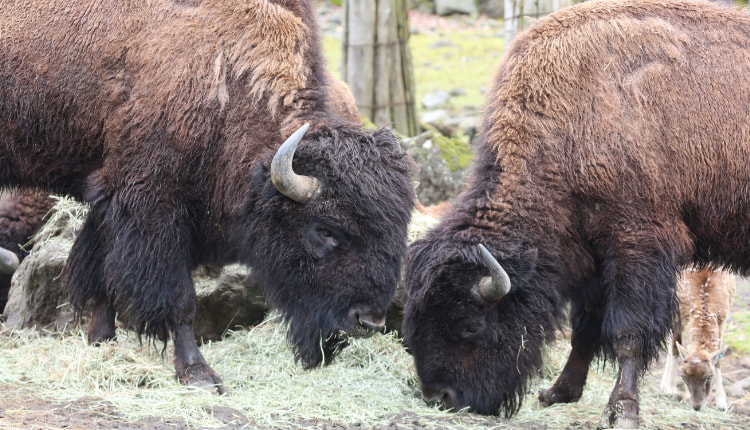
(8, 262)
(492, 288)
(297, 187)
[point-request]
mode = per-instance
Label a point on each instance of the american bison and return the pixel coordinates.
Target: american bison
(21, 215)
(697, 345)
(168, 118)
(615, 148)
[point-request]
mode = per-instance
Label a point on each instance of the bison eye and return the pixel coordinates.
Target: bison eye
(471, 328)
(327, 238)
(321, 239)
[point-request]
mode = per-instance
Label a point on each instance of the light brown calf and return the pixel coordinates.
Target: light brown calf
(705, 301)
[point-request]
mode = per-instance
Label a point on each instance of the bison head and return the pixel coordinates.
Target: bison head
(475, 320)
(330, 221)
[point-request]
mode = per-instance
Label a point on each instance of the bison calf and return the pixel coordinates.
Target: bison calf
(705, 303)
(614, 149)
(170, 118)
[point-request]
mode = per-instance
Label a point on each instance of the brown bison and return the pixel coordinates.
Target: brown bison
(168, 117)
(615, 148)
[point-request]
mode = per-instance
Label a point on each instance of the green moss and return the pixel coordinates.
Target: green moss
(455, 151)
(738, 332)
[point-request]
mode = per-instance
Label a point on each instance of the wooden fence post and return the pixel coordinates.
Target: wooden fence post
(377, 62)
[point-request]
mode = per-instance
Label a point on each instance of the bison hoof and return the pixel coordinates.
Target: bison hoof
(623, 415)
(201, 376)
(97, 337)
(552, 396)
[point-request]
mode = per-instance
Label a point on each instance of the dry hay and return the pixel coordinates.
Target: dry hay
(371, 384)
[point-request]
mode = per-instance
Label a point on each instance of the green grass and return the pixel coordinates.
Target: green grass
(464, 59)
(738, 332)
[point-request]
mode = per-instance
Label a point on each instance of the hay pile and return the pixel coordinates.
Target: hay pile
(372, 384)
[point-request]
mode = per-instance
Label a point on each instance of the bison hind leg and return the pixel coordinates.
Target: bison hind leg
(585, 340)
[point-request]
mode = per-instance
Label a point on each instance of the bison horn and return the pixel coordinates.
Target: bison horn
(8, 261)
(297, 187)
(492, 288)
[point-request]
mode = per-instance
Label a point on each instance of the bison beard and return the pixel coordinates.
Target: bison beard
(614, 150)
(167, 118)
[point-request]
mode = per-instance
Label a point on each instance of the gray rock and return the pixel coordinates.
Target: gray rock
(438, 182)
(435, 99)
(447, 7)
(36, 297)
(492, 8)
(227, 297)
(436, 116)
(738, 388)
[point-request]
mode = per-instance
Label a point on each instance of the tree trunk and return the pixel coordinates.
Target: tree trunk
(377, 62)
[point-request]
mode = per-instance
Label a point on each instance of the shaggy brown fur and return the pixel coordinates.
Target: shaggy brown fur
(165, 115)
(615, 149)
(706, 298)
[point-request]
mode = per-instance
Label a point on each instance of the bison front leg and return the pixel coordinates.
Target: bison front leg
(585, 337)
(147, 271)
(622, 409)
(190, 366)
(85, 280)
(102, 324)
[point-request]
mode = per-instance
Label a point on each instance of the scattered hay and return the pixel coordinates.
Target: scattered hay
(372, 384)
(65, 220)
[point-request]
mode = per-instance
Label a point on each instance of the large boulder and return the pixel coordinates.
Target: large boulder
(447, 7)
(36, 297)
(444, 165)
(492, 8)
(227, 297)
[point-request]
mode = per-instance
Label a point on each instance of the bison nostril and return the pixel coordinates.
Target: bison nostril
(365, 316)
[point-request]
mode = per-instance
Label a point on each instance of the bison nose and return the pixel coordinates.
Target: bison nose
(447, 396)
(367, 317)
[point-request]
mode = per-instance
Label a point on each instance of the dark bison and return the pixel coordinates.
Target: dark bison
(615, 148)
(21, 215)
(168, 117)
